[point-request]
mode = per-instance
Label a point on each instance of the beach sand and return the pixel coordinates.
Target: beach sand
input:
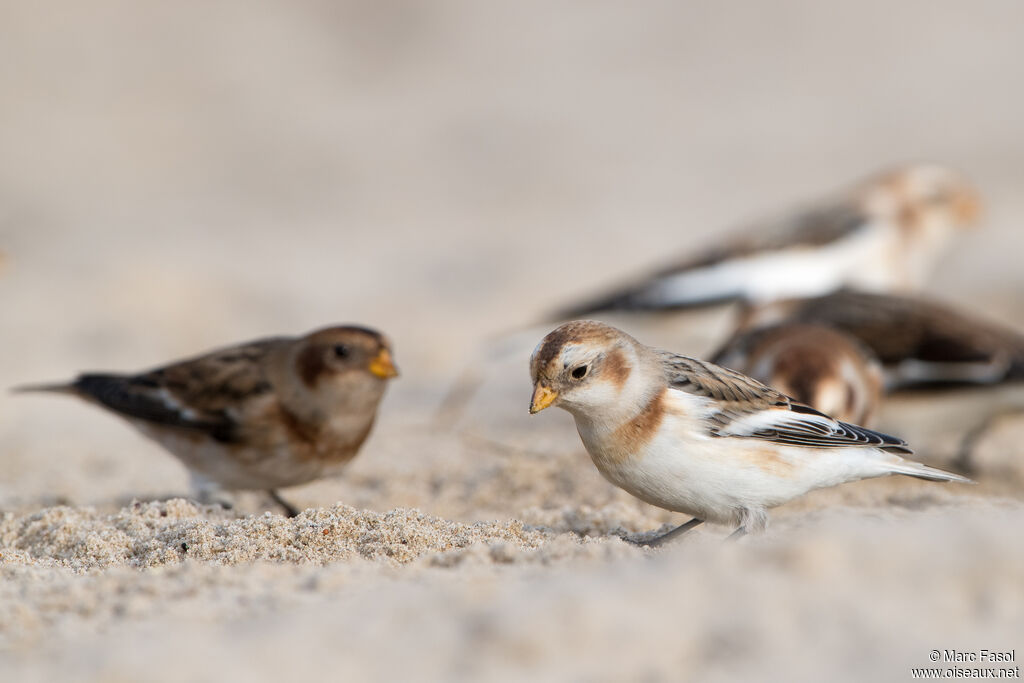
(180, 177)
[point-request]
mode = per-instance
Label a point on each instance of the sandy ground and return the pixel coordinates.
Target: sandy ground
(186, 175)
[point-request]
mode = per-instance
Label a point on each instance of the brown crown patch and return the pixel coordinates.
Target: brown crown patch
(571, 333)
(311, 362)
(347, 333)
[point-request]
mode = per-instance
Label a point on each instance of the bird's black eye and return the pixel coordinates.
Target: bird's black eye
(342, 351)
(580, 372)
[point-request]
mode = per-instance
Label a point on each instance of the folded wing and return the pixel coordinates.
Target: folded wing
(204, 394)
(743, 407)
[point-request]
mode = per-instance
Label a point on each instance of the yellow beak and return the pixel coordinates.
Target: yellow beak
(542, 398)
(382, 366)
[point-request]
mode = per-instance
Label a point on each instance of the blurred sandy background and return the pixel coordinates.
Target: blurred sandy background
(178, 176)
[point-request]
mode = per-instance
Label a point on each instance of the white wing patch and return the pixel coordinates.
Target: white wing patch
(689, 404)
(788, 273)
(912, 370)
(173, 404)
(776, 419)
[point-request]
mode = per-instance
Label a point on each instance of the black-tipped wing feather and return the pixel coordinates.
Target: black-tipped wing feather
(201, 394)
(743, 407)
(141, 397)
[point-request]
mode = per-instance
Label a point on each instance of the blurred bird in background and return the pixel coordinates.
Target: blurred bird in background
(919, 341)
(919, 344)
(882, 235)
(812, 363)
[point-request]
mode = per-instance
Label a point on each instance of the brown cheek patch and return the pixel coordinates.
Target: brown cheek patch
(966, 207)
(636, 433)
(310, 364)
(909, 217)
(616, 369)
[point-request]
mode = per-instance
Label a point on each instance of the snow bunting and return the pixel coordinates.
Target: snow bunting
(261, 415)
(882, 235)
(920, 342)
(698, 438)
(817, 365)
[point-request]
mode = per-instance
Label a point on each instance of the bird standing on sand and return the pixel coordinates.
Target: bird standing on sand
(882, 235)
(260, 415)
(693, 437)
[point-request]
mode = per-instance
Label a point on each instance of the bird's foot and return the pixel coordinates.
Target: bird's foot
(668, 536)
(289, 509)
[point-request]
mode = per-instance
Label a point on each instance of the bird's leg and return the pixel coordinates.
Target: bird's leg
(208, 492)
(289, 509)
(752, 519)
(672, 533)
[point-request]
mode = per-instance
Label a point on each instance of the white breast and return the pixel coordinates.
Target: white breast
(718, 479)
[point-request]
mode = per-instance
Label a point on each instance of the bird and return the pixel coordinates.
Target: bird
(693, 437)
(882, 234)
(817, 365)
(259, 415)
(922, 343)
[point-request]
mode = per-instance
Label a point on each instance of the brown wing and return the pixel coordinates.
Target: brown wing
(203, 393)
(746, 408)
(721, 384)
